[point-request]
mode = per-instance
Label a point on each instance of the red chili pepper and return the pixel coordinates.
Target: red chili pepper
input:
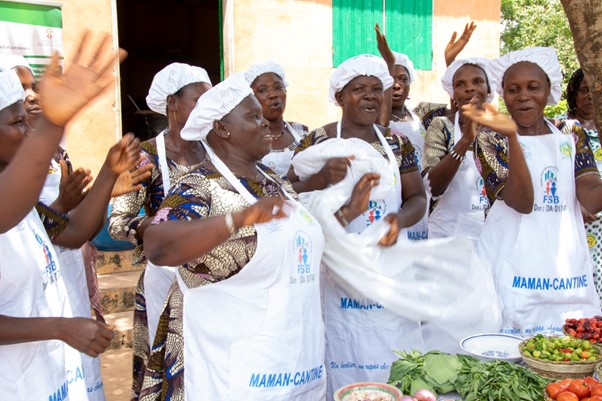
(566, 350)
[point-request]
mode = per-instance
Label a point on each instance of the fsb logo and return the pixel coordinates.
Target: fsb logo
(549, 178)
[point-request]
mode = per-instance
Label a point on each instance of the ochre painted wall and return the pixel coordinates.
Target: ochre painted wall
(298, 35)
(96, 128)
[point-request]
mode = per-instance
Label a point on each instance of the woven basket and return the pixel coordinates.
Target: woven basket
(559, 370)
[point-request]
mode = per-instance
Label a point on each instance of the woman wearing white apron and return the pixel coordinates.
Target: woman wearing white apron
(173, 93)
(537, 173)
(34, 310)
(269, 87)
(459, 200)
(361, 334)
(243, 321)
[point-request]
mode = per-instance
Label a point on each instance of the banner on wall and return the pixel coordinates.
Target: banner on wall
(32, 29)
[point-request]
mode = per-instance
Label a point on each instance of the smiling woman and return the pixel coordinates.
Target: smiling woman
(536, 173)
(458, 200)
(358, 86)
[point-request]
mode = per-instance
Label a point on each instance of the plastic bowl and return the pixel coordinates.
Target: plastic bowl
(344, 393)
(493, 347)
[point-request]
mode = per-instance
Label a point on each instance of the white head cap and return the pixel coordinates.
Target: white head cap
(10, 61)
(170, 80)
(544, 57)
(261, 68)
(364, 64)
(214, 104)
(448, 77)
(403, 60)
(11, 90)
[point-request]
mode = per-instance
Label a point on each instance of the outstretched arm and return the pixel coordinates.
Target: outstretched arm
(61, 98)
(454, 47)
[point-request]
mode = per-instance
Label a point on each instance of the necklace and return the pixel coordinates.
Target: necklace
(274, 137)
(404, 117)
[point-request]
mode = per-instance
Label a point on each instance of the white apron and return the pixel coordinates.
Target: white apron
(415, 132)
(259, 335)
(460, 210)
(74, 276)
(279, 161)
(540, 260)
(31, 285)
(360, 333)
(158, 279)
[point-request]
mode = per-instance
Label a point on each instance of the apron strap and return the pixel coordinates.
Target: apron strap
(293, 132)
(163, 167)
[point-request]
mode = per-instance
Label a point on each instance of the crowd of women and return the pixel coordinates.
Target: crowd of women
(236, 300)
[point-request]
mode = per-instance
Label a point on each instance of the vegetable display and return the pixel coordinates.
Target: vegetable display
(587, 328)
(560, 349)
(474, 380)
(575, 390)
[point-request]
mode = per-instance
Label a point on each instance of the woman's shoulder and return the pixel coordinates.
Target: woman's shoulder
(301, 129)
(440, 123)
(316, 136)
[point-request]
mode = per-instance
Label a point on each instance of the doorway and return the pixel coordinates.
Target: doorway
(156, 33)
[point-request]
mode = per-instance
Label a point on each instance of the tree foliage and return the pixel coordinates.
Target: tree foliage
(528, 23)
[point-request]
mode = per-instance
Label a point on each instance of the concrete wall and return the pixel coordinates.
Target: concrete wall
(95, 129)
(298, 35)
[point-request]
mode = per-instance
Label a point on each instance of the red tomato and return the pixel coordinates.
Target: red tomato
(597, 390)
(579, 387)
(565, 383)
(553, 389)
(567, 396)
(595, 398)
(591, 382)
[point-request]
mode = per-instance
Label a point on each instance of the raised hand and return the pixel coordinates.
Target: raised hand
(360, 197)
(264, 210)
(63, 96)
(87, 335)
(130, 180)
(490, 117)
(454, 47)
(71, 188)
(124, 154)
(383, 47)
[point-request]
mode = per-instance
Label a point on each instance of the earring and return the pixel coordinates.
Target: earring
(227, 134)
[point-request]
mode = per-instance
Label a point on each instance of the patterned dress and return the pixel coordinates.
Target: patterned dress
(594, 229)
(202, 193)
(123, 223)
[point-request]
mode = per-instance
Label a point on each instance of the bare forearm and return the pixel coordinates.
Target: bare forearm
(89, 215)
(518, 189)
(23, 178)
(313, 183)
(412, 210)
(14, 330)
(444, 172)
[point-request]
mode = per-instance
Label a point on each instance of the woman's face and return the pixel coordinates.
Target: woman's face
(13, 127)
(583, 100)
(184, 103)
(30, 86)
(401, 86)
(249, 130)
(469, 81)
(526, 90)
(269, 89)
(361, 99)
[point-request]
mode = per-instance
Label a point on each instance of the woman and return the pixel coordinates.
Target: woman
(269, 87)
(581, 108)
(248, 267)
(33, 305)
(173, 93)
(536, 173)
(459, 200)
(365, 336)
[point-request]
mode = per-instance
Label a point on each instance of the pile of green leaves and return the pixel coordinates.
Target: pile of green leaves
(474, 380)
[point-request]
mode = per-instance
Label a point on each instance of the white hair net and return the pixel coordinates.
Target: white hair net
(170, 80)
(448, 77)
(261, 68)
(403, 60)
(364, 64)
(214, 104)
(544, 57)
(10, 61)
(11, 90)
